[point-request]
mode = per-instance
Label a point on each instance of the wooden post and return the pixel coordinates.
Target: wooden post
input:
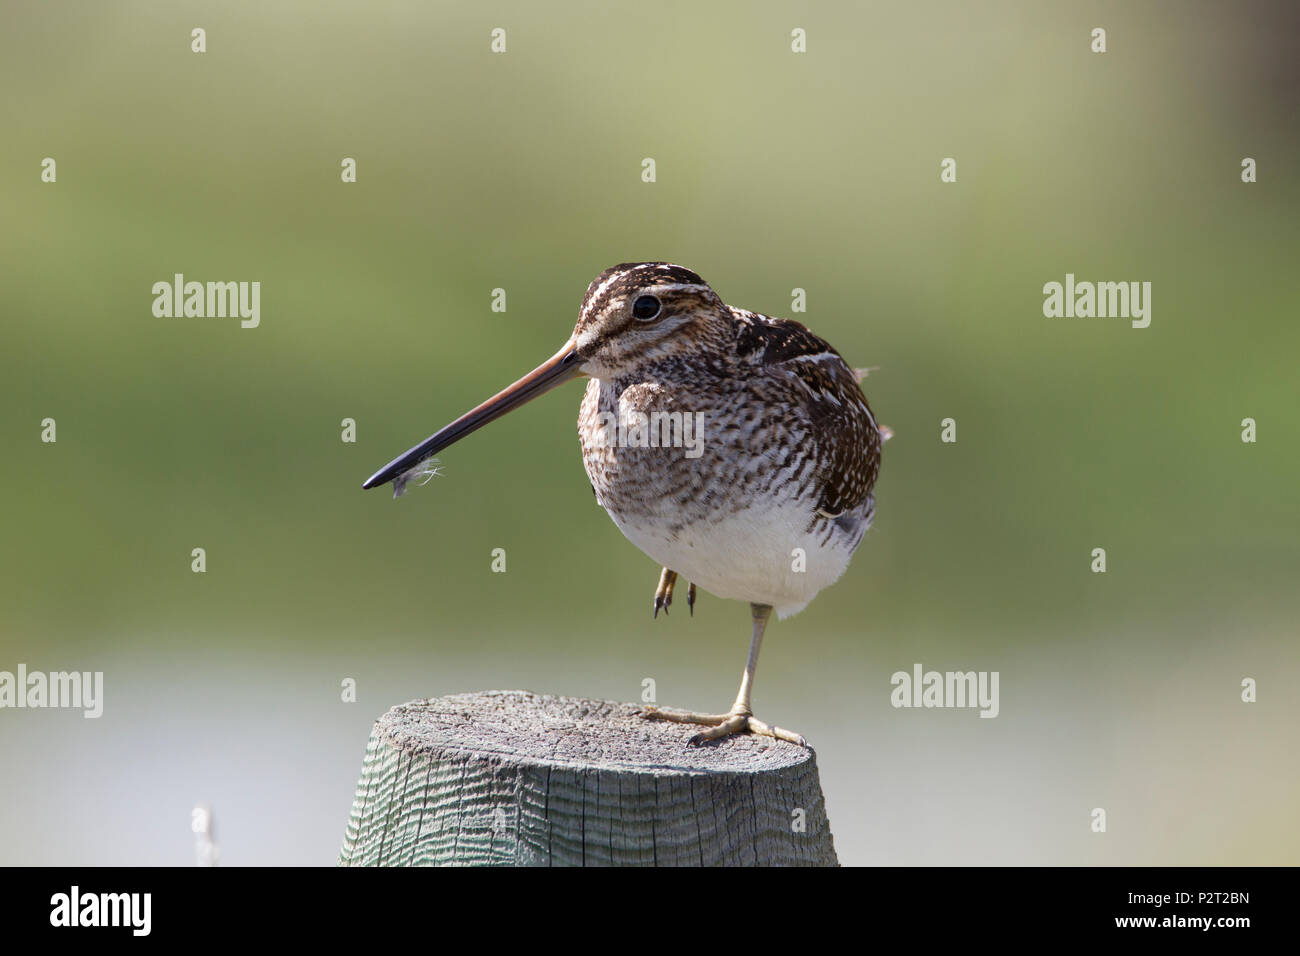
(513, 778)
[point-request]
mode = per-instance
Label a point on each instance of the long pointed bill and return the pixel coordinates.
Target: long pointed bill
(561, 367)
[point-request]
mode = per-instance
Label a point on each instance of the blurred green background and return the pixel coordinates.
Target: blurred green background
(775, 171)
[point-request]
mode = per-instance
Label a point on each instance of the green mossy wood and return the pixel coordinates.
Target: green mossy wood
(519, 779)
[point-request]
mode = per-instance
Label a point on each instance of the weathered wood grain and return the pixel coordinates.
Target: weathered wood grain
(514, 778)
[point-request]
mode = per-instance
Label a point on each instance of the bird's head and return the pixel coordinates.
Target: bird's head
(638, 313)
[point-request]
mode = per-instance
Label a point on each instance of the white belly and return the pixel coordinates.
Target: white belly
(766, 558)
(726, 520)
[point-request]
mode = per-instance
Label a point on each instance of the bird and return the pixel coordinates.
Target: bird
(734, 449)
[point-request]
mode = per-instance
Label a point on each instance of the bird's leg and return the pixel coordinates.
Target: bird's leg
(690, 598)
(740, 719)
(664, 592)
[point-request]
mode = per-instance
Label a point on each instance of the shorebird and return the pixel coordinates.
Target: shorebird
(735, 449)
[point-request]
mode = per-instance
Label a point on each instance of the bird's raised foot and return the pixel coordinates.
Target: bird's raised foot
(723, 725)
(664, 592)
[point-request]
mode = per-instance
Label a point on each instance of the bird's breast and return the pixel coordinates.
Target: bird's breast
(716, 485)
(679, 456)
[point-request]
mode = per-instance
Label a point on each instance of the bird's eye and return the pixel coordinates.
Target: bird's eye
(646, 307)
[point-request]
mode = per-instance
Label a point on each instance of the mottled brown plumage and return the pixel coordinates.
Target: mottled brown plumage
(735, 449)
(790, 449)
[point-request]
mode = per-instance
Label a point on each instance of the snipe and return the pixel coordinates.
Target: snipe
(735, 449)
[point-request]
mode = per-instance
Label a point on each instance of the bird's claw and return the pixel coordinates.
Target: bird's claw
(664, 592)
(724, 725)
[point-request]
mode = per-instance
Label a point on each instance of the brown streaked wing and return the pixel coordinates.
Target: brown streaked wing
(844, 429)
